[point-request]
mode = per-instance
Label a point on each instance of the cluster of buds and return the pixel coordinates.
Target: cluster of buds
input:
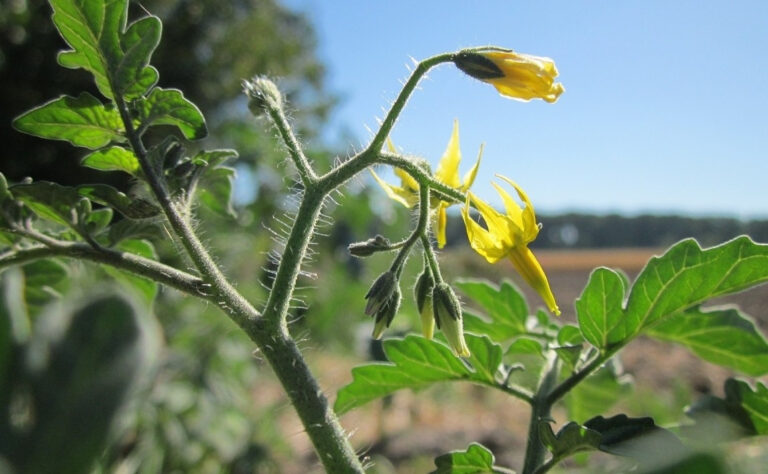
(437, 305)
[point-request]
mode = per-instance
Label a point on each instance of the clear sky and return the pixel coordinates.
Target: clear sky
(665, 108)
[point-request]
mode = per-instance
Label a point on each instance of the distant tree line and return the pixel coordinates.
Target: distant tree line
(576, 230)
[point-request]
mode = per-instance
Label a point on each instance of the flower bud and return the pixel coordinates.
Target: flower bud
(386, 313)
(423, 294)
(380, 292)
(369, 247)
(263, 94)
(447, 311)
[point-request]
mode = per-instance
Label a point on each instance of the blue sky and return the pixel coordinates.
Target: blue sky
(665, 109)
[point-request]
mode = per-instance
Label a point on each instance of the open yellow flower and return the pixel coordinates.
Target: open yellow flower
(447, 173)
(514, 75)
(508, 235)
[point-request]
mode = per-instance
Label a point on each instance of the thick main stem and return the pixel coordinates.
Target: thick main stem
(535, 451)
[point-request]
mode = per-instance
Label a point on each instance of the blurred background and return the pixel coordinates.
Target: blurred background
(660, 135)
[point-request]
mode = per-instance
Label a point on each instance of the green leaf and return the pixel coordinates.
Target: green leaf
(83, 121)
(504, 306)
(754, 401)
(213, 158)
(117, 57)
(170, 107)
(416, 363)
(685, 276)
(599, 308)
(109, 196)
(597, 393)
(570, 439)
(98, 220)
(720, 419)
(526, 354)
(44, 282)
(144, 287)
(114, 158)
(134, 229)
(638, 438)
(476, 459)
(50, 201)
(215, 190)
(724, 336)
(88, 368)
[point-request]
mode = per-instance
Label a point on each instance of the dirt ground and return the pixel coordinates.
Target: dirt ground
(405, 433)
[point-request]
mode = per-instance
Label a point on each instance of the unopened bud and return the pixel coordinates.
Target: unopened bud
(369, 247)
(380, 292)
(386, 313)
(447, 312)
(477, 65)
(263, 94)
(423, 294)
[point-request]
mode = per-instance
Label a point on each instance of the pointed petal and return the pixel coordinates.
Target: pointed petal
(407, 180)
(482, 241)
(395, 193)
(530, 269)
(530, 226)
(391, 146)
(497, 223)
(469, 178)
(448, 168)
(514, 212)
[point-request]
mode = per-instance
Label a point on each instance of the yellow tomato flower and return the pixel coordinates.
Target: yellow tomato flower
(508, 235)
(514, 75)
(447, 173)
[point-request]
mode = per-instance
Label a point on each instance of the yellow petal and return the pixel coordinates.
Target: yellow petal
(530, 226)
(407, 180)
(514, 212)
(448, 168)
(395, 193)
(525, 76)
(469, 178)
(442, 223)
(482, 241)
(530, 269)
(497, 224)
(391, 146)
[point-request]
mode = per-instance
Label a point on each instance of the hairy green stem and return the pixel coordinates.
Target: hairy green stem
(286, 133)
(535, 451)
(429, 254)
(141, 266)
(422, 226)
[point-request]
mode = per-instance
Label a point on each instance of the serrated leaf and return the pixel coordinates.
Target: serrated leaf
(597, 393)
(570, 439)
(170, 107)
(109, 196)
(114, 158)
(723, 336)
(83, 121)
(476, 459)
(638, 438)
(417, 362)
(685, 276)
(599, 308)
(215, 190)
(50, 201)
(504, 306)
(144, 287)
(117, 57)
(527, 356)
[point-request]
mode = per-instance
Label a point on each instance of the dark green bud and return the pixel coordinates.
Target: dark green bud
(386, 313)
(477, 66)
(369, 247)
(380, 292)
(447, 313)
